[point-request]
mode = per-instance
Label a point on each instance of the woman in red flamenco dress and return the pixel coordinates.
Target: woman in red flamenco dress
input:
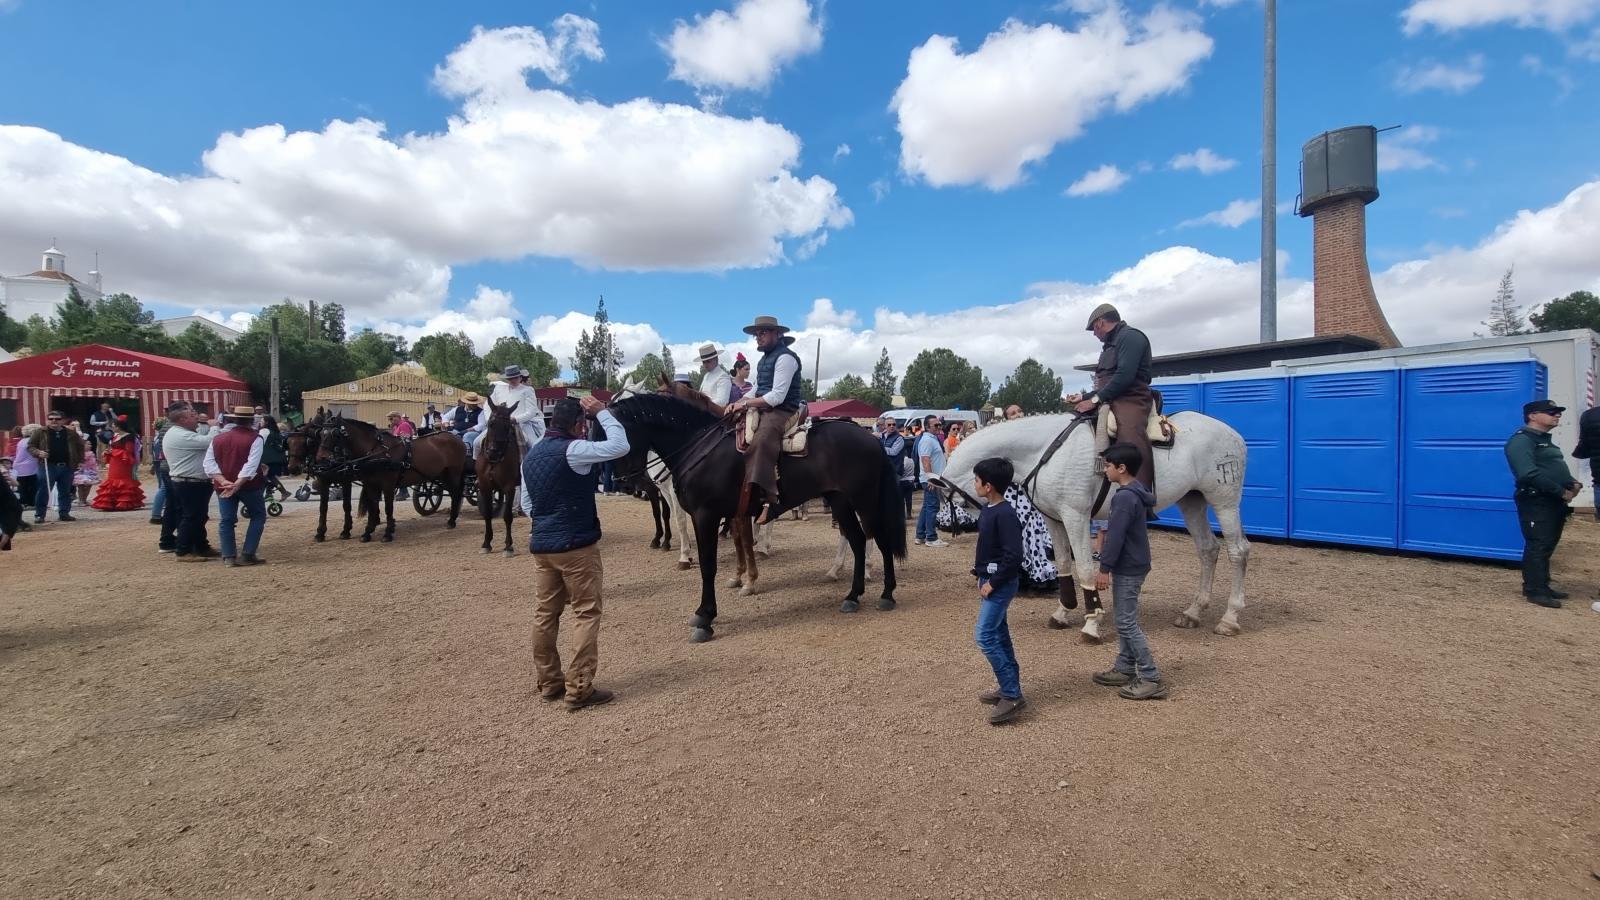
(120, 490)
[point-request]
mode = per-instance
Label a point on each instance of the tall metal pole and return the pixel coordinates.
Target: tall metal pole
(1269, 177)
(272, 351)
(816, 372)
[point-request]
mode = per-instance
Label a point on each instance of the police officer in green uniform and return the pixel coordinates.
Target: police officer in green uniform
(1544, 487)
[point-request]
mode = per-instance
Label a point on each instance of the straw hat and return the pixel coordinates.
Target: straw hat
(470, 398)
(707, 351)
(247, 413)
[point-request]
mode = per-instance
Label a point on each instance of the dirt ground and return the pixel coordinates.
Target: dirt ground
(359, 720)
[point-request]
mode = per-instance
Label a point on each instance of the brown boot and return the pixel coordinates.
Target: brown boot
(989, 698)
(1006, 710)
(595, 697)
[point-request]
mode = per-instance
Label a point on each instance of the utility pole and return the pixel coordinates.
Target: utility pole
(272, 352)
(816, 372)
(1269, 177)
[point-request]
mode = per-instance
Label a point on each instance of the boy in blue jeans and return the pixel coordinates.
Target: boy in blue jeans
(1126, 555)
(998, 566)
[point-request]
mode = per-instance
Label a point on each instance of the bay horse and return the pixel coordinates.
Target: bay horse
(383, 463)
(1204, 465)
(498, 464)
(843, 462)
(302, 451)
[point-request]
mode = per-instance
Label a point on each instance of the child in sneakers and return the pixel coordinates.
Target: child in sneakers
(998, 565)
(1126, 555)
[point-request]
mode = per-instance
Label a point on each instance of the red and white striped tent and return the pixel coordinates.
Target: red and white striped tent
(31, 387)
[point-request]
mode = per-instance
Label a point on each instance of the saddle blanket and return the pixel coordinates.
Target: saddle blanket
(794, 433)
(1161, 430)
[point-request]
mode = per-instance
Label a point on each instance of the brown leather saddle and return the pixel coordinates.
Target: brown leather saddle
(1161, 431)
(794, 432)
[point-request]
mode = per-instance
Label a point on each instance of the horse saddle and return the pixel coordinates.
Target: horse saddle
(1160, 430)
(794, 432)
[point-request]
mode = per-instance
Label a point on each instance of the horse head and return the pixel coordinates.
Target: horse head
(661, 423)
(498, 435)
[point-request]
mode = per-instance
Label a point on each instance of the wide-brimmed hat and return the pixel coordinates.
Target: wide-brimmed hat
(247, 413)
(683, 377)
(709, 350)
(765, 322)
(471, 398)
(393, 414)
(514, 371)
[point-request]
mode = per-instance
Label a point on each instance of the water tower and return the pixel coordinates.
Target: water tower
(1338, 178)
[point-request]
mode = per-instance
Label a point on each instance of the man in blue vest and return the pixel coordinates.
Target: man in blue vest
(560, 472)
(777, 398)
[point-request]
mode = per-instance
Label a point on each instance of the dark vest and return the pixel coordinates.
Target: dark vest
(232, 450)
(768, 365)
(1110, 355)
(466, 417)
(564, 514)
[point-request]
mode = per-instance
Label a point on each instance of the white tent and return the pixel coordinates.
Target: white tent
(4, 356)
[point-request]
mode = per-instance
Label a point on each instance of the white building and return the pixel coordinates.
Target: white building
(39, 293)
(179, 324)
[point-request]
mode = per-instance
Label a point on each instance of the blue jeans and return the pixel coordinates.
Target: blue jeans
(994, 638)
(927, 520)
(60, 475)
(228, 507)
(159, 504)
(1133, 649)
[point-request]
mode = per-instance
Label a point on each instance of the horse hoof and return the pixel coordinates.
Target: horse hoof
(764, 554)
(1226, 629)
(666, 545)
(1057, 624)
(655, 544)
(684, 566)
(387, 538)
(450, 524)
(748, 590)
(733, 583)
(1185, 620)
(831, 575)
(345, 536)
(1090, 638)
(485, 550)
(700, 636)
(366, 539)
(320, 538)
(510, 553)
(850, 605)
(886, 603)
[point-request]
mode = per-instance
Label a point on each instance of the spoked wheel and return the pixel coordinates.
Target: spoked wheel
(426, 498)
(274, 508)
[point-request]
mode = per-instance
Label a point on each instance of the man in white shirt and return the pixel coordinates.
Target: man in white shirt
(777, 397)
(233, 460)
(184, 446)
(515, 392)
(716, 383)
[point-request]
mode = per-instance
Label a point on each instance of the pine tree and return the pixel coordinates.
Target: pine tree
(1505, 316)
(596, 359)
(666, 360)
(883, 377)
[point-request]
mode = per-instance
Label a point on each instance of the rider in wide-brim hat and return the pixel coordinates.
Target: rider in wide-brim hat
(514, 371)
(471, 398)
(763, 323)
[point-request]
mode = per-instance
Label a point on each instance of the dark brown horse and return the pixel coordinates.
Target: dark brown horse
(383, 463)
(302, 451)
(843, 462)
(499, 469)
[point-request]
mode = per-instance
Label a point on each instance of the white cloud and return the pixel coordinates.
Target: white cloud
(1451, 15)
(1233, 215)
(1430, 75)
(840, 152)
(1223, 4)
(743, 50)
(1203, 161)
(238, 321)
(981, 117)
(374, 221)
(1401, 150)
(1563, 79)
(880, 189)
(1103, 180)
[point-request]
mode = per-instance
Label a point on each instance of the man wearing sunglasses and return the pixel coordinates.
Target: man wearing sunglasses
(59, 450)
(1544, 488)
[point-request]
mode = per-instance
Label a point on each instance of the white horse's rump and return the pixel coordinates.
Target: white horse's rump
(1205, 466)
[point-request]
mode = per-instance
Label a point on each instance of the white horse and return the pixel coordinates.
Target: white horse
(1206, 465)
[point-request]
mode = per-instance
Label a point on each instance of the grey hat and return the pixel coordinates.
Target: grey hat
(514, 371)
(1099, 313)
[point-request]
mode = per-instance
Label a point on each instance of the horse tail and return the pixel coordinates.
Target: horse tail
(891, 510)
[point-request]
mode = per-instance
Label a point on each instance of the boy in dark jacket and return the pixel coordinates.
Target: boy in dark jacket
(998, 566)
(1126, 555)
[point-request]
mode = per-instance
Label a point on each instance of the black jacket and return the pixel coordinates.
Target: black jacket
(1124, 363)
(1588, 434)
(999, 556)
(1127, 547)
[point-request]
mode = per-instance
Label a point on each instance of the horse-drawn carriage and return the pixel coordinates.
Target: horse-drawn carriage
(428, 497)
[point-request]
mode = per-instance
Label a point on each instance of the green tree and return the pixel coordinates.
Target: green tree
(452, 360)
(330, 318)
(808, 389)
(1505, 316)
(423, 345)
(853, 387)
(939, 379)
(74, 321)
(596, 359)
(372, 352)
(1579, 309)
(645, 372)
(13, 334)
(1032, 387)
(667, 364)
(541, 365)
(202, 345)
(883, 377)
(118, 320)
(304, 362)
(41, 335)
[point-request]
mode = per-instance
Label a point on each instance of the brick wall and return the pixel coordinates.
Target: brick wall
(1345, 302)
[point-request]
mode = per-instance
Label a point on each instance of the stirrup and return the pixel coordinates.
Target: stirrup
(766, 511)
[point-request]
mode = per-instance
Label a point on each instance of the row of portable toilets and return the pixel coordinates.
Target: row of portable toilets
(1404, 458)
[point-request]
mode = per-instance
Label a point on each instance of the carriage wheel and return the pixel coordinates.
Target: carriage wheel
(469, 493)
(426, 498)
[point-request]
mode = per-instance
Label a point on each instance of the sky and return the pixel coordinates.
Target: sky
(899, 175)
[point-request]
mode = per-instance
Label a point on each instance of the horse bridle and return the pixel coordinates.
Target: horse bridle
(338, 463)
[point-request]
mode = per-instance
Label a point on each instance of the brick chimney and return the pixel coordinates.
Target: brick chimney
(1339, 178)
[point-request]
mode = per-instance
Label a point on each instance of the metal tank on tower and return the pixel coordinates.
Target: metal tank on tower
(1338, 178)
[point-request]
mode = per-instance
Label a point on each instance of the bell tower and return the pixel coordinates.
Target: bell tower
(1338, 178)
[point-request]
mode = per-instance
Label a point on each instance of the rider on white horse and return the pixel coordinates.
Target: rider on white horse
(1122, 386)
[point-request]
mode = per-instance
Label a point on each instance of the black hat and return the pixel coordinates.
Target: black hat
(1544, 406)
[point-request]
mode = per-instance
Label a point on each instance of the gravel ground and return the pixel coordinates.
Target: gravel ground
(359, 720)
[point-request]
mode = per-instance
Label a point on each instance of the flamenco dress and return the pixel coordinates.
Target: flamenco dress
(119, 490)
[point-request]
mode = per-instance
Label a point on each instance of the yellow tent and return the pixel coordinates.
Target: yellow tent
(405, 389)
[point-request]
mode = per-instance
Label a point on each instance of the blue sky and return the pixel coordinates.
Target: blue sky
(1500, 116)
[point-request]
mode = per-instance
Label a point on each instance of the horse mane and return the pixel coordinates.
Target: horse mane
(663, 410)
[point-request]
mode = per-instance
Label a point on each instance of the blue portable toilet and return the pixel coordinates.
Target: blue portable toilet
(1455, 486)
(1257, 405)
(1345, 462)
(1178, 394)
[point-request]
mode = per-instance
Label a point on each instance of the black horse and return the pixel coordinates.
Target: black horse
(383, 463)
(302, 455)
(843, 462)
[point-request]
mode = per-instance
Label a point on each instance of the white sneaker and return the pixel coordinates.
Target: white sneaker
(936, 543)
(919, 542)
